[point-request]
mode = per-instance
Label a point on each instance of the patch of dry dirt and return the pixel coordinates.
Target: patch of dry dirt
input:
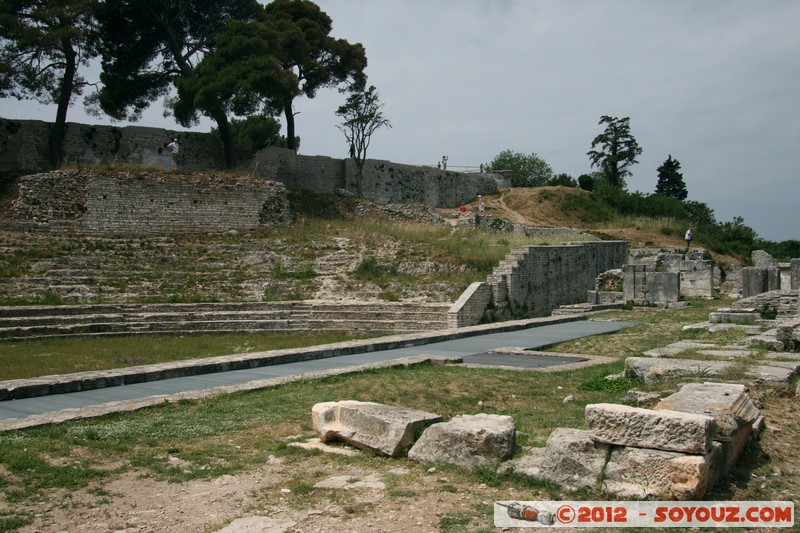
(416, 498)
(541, 206)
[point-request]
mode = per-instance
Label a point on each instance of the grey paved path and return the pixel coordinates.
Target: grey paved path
(471, 349)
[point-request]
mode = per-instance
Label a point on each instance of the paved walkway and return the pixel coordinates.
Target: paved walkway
(472, 349)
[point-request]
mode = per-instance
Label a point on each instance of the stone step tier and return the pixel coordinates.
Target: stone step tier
(26, 322)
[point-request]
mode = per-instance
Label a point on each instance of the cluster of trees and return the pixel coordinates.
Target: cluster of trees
(215, 58)
(613, 152)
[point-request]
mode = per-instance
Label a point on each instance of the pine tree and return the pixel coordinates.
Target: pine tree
(618, 150)
(670, 180)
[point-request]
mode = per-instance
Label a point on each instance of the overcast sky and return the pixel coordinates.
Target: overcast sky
(714, 83)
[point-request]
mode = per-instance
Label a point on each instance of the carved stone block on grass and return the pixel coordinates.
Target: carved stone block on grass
(653, 370)
(642, 473)
(468, 441)
(383, 429)
(645, 428)
(736, 417)
(570, 458)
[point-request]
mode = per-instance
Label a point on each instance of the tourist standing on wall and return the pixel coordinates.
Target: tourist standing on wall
(444, 162)
(688, 238)
(175, 149)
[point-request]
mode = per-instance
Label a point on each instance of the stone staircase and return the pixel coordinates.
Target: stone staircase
(25, 322)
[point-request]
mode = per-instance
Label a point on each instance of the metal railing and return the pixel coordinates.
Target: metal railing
(467, 169)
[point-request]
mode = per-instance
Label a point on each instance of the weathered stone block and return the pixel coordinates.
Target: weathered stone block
(646, 287)
(652, 370)
(384, 429)
(468, 441)
(788, 333)
(732, 316)
(736, 417)
(646, 428)
(697, 279)
(794, 266)
(570, 458)
(762, 259)
(642, 473)
(758, 280)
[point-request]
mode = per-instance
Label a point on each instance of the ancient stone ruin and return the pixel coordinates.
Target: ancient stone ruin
(676, 450)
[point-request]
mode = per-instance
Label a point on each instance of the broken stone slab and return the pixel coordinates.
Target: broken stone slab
(737, 418)
(652, 370)
(571, 459)
(316, 444)
(383, 429)
(468, 441)
(644, 473)
(676, 348)
(788, 333)
(714, 328)
(748, 330)
(782, 356)
(766, 340)
(642, 398)
(646, 428)
(730, 354)
(775, 373)
(733, 316)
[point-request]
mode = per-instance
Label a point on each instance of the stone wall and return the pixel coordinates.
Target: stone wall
(696, 273)
(383, 181)
(644, 286)
(532, 281)
(784, 301)
(141, 202)
(24, 147)
(470, 307)
(24, 150)
(756, 280)
(794, 266)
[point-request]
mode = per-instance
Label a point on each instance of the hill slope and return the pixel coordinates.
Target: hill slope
(575, 208)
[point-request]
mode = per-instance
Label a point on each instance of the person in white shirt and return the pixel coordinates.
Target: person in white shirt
(175, 148)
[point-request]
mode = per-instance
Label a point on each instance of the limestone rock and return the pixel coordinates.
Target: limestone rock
(646, 428)
(776, 373)
(384, 429)
(788, 333)
(651, 370)
(641, 473)
(642, 398)
(570, 458)
(467, 441)
(736, 417)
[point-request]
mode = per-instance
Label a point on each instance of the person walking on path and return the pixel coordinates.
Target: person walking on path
(688, 238)
(175, 149)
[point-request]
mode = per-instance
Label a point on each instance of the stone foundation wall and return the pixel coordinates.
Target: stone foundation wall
(532, 281)
(756, 280)
(646, 287)
(785, 302)
(696, 273)
(147, 203)
(470, 307)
